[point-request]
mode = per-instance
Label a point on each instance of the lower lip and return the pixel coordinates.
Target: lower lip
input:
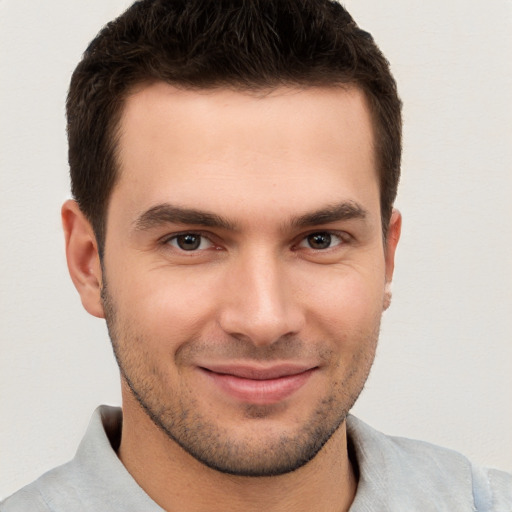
(267, 391)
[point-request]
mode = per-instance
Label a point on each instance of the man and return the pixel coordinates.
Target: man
(234, 167)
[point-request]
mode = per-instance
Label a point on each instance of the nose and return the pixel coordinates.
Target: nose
(260, 304)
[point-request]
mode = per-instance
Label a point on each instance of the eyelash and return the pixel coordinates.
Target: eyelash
(344, 238)
(206, 236)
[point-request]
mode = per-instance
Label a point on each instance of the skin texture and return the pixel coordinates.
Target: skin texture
(277, 197)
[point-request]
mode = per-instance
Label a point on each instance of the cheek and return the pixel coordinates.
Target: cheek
(165, 304)
(347, 301)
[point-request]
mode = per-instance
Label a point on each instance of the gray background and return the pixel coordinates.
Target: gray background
(443, 369)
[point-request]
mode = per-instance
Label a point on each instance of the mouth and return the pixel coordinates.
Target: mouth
(258, 385)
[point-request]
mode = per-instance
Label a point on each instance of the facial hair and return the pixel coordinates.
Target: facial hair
(177, 412)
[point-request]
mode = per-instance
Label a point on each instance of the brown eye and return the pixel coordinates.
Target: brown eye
(321, 240)
(190, 242)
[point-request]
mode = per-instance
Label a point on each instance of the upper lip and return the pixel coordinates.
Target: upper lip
(258, 372)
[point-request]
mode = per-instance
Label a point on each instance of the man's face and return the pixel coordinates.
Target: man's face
(244, 268)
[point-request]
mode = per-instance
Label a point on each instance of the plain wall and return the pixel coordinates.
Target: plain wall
(443, 371)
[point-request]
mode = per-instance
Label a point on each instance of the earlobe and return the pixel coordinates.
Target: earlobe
(387, 296)
(83, 258)
(393, 236)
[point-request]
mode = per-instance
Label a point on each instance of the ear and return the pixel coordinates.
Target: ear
(83, 257)
(393, 236)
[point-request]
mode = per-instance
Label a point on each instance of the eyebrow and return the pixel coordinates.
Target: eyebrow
(345, 210)
(170, 214)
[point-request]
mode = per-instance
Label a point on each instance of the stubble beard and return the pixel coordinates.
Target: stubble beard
(181, 419)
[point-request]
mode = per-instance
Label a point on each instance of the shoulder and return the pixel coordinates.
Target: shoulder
(94, 480)
(47, 493)
(65, 487)
(417, 472)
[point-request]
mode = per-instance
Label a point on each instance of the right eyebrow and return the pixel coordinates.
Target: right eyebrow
(345, 210)
(169, 214)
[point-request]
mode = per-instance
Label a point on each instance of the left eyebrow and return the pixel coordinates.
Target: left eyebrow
(345, 210)
(170, 214)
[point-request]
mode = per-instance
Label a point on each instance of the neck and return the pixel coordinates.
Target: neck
(178, 482)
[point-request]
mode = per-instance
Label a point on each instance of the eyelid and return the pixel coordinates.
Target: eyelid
(343, 236)
(172, 236)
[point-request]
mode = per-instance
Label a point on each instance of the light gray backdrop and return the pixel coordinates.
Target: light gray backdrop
(444, 367)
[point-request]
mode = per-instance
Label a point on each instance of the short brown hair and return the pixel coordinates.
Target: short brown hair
(240, 44)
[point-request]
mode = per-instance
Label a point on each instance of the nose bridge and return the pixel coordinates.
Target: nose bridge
(260, 303)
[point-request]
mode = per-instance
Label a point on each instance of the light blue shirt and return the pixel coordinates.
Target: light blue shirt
(395, 475)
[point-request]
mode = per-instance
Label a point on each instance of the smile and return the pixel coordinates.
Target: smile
(256, 385)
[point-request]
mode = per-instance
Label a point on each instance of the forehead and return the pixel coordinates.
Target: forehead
(222, 148)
